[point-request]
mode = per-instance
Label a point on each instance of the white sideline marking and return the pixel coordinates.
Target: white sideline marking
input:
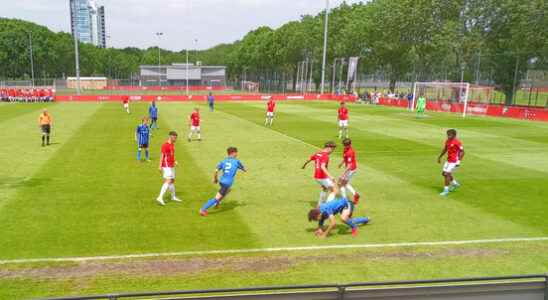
(268, 250)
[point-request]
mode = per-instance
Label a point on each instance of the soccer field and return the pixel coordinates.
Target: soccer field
(86, 196)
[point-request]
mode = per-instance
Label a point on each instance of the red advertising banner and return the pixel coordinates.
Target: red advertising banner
(227, 97)
(167, 88)
(479, 109)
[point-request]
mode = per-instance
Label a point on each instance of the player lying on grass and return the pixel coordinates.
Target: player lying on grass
(142, 137)
(327, 211)
(343, 121)
(270, 106)
(229, 167)
(321, 174)
(167, 168)
(455, 152)
(45, 121)
(351, 166)
(194, 123)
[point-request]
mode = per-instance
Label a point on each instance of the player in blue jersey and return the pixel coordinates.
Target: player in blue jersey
(211, 101)
(142, 137)
(229, 167)
(153, 115)
(327, 211)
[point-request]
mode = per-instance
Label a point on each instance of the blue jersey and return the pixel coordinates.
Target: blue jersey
(153, 112)
(230, 167)
(143, 134)
(334, 207)
(210, 99)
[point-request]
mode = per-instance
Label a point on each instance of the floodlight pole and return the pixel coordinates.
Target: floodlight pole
(31, 58)
(187, 71)
(159, 34)
(334, 75)
(77, 61)
(324, 45)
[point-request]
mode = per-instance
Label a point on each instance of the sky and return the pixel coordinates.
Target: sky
(134, 22)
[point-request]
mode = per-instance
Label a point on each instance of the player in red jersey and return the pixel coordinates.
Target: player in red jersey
(321, 174)
(167, 168)
(343, 121)
(455, 152)
(270, 107)
(194, 123)
(351, 166)
(125, 102)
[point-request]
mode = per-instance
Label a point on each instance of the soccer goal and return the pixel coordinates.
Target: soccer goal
(443, 96)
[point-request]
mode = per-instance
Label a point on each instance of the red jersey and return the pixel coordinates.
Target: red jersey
(319, 159)
(270, 106)
(454, 148)
(195, 119)
(343, 113)
(168, 155)
(349, 157)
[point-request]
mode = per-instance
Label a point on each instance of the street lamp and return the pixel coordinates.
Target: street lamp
(195, 41)
(159, 34)
(31, 58)
(324, 45)
(77, 60)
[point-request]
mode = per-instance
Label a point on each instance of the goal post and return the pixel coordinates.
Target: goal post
(443, 96)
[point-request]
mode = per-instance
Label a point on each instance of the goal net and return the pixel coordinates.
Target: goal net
(457, 97)
(443, 96)
(250, 86)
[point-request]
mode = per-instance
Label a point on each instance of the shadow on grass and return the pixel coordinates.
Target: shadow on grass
(226, 206)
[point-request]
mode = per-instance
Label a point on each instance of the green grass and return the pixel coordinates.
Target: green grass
(86, 195)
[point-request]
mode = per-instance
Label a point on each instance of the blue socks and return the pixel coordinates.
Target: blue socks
(146, 154)
(211, 202)
(354, 222)
(360, 220)
(139, 154)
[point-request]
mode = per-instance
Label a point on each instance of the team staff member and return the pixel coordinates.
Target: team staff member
(45, 121)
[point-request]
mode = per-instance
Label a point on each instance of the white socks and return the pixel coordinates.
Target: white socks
(343, 191)
(163, 190)
(331, 196)
(351, 189)
(172, 190)
(322, 197)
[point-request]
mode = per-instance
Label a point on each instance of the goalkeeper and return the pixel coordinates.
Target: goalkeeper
(421, 106)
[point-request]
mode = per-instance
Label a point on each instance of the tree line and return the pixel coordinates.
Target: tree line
(407, 40)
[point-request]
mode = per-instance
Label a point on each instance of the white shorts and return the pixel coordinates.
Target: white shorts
(347, 176)
(343, 123)
(449, 167)
(168, 173)
(194, 128)
(270, 114)
(126, 105)
(327, 182)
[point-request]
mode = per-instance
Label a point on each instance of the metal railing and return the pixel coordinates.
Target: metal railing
(525, 287)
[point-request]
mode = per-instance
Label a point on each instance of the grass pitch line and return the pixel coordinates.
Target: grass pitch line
(270, 250)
